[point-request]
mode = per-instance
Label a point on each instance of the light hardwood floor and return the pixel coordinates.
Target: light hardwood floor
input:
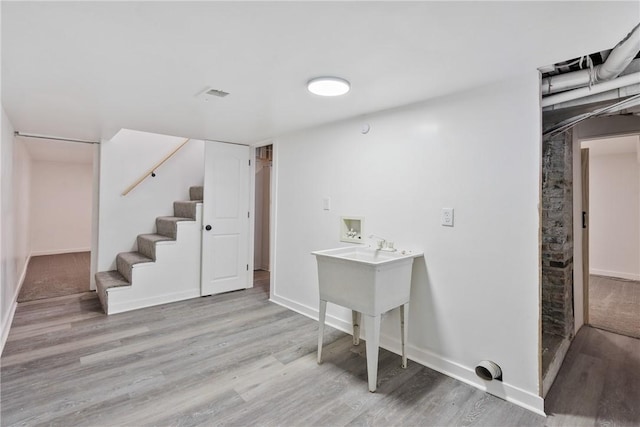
(237, 359)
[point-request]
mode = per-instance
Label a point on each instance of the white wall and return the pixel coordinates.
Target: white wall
(61, 195)
(21, 203)
(15, 167)
(614, 246)
(475, 295)
(123, 160)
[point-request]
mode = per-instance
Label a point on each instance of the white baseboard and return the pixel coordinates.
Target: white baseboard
(608, 273)
(312, 313)
(6, 323)
(8, 318)
(466, 374)
(60, 251)
(128, 305)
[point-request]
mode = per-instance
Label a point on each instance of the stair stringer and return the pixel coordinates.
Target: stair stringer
(174, 276)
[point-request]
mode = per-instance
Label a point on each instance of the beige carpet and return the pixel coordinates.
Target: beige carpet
(261, 278)
(614, 305)
(51, 276)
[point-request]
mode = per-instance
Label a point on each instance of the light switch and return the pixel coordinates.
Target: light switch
(326, 203)
(447, 217)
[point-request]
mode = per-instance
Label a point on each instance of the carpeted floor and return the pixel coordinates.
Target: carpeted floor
(261, 278)
(614, 305)
(51, 276)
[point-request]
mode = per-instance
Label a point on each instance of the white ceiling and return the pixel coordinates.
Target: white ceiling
(618, 145)
(87, 69)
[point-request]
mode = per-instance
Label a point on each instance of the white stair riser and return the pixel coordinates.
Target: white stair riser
(173, 277)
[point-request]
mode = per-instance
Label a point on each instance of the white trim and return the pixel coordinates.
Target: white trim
(580, 293)
(273, 216)
(130, 305)
(95, 215)
(510, 393)
(621, 275)
(6, 322)
(60, 251)
(254, 164)
(252, 215)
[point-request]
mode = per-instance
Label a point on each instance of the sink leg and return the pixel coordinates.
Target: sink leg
(356, 317)
(372, 335)
(404, 320)
(322, 314)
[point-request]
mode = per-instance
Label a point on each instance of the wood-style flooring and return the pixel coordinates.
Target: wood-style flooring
(614, 305)
(599, 382)
(237, 359)
(49, 276)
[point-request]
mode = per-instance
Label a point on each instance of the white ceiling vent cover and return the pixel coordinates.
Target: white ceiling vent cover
(216, 92)
(210, 92)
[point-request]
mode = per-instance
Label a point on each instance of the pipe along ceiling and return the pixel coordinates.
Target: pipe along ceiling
(590, 80)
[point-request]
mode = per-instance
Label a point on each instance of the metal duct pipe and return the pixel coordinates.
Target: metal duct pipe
(617, 61)
(627, 80)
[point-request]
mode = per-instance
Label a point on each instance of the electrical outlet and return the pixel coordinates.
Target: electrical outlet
(447, 217)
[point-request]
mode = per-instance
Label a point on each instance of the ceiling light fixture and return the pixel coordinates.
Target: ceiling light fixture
(328, 86)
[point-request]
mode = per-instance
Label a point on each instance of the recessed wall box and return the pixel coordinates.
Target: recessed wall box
(351, 229)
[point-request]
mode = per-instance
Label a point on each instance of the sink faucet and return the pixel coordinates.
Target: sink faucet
(383, 244)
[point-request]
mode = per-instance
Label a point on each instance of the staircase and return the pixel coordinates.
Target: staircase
(166, 266)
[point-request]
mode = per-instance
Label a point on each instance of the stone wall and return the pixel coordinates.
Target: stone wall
(557, 235)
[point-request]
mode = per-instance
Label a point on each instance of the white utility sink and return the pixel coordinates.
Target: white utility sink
(365, 254)
(368, 281)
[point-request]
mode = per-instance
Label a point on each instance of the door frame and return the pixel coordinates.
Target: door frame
(584, 225)
(272, 211)
(582, 134)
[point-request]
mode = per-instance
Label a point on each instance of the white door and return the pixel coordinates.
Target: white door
(225, 218)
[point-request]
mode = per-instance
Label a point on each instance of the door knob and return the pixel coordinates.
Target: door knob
(207, 227)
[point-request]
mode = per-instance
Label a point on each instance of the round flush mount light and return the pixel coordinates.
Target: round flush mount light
(328, 86)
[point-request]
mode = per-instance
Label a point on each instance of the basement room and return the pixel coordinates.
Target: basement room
(308, 213)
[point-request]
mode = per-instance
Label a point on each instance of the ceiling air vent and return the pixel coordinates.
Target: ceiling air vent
(209, 93)
(216, 92)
